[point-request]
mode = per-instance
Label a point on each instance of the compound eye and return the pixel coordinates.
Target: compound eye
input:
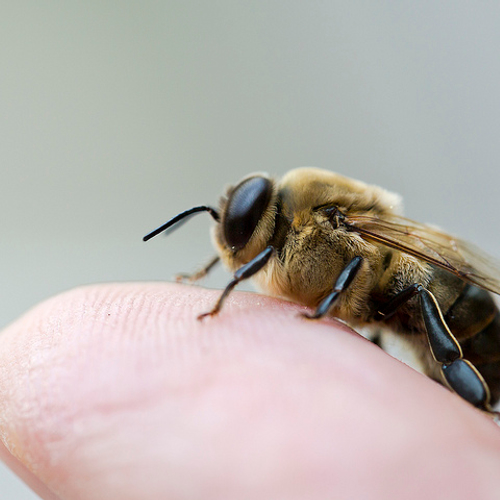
(244, 209)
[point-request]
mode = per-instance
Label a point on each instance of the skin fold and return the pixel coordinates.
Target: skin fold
(117, 391)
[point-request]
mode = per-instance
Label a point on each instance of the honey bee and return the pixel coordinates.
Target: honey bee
(341, 247)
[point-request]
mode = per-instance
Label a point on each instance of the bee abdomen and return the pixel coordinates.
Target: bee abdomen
(472, 312)
(484, 345)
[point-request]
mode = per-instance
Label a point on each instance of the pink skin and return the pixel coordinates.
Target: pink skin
(117, 391)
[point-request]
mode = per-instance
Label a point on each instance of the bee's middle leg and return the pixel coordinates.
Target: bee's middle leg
(197, 275)
(343, 281)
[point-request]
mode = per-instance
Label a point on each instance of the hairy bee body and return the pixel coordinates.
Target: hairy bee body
(311, 253)
(341, 247)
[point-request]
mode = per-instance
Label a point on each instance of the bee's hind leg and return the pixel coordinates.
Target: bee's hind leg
(460, 374)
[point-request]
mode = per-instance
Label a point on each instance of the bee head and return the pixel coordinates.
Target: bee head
(247, 209)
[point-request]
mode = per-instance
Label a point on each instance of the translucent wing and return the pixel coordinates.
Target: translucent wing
(431, 245)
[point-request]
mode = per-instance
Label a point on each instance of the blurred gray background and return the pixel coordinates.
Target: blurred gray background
(117, 115)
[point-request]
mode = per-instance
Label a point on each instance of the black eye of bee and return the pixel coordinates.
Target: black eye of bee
(244, 209)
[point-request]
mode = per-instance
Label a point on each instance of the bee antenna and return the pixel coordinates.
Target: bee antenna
(182, 216)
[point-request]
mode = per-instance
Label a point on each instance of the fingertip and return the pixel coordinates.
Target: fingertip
(120, 383)
(26, 475)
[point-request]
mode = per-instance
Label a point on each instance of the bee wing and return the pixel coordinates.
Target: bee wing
(431, 245)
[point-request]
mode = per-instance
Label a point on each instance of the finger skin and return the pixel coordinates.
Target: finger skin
(25, 474)
(117, 391)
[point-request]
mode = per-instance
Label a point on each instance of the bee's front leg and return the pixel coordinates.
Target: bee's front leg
(244, 272)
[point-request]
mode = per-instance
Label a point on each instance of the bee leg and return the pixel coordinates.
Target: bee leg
(197, 275)
(343, 281)
(244, 272)
(397, 301)
(460, 375)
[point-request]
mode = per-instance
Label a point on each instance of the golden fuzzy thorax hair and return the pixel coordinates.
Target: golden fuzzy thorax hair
(309, 187)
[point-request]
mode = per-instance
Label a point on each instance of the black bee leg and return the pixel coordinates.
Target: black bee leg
(397, 301)
(244, 272)
(343, 281)
(460, 374)
(198, 275)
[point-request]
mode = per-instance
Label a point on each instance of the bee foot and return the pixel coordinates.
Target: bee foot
(201, 317)
(309, 316)
(180, 278)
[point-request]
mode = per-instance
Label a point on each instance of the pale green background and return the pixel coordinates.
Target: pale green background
(117, 115)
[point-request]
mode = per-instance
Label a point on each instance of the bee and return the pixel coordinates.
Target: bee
(342, 248)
